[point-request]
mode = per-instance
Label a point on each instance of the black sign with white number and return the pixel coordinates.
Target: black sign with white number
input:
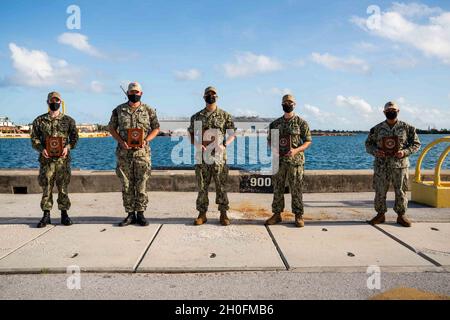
(257, 183)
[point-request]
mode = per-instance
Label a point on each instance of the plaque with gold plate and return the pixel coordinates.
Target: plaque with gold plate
(285, 145)
(390, 145)
(54, 146)
(135, 138)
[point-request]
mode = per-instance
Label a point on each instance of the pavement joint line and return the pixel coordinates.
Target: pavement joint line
(362, 269)
(144, 253)
(209, 271)
(60, 271)
(280, 252)
(27, 242)
(419, 253)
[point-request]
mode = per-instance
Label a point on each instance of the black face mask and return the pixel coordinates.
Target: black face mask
(391, 115)
(54, 106)
(288, 108)
(134, 98)
(210, 99)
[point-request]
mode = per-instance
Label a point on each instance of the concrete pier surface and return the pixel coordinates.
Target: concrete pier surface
(172, 259)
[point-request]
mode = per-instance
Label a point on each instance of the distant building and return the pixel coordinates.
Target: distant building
(179, 128)
(24, 129)
(7, 126)
(5, 122)
(83, 127)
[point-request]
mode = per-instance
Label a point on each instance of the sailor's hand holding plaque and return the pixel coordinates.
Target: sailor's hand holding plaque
(54, 147)
(208, 138)
(390, 146)
(206, 143)
(285, 145)
(135, 138)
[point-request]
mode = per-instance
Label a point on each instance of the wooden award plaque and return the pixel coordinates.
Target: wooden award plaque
(285, 145)
(390, 145)
(135, 138)
(54, 146)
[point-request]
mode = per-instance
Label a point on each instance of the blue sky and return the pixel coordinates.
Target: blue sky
(341, 68)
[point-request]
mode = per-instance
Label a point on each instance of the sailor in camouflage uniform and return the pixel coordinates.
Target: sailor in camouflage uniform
(54, 170)
(393, 169)
(134, 164)
(211, 124)
(291, 165)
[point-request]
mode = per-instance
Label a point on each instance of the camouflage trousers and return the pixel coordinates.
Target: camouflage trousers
(204, 173)
(133, 173)
(51, 172)
(382, 178)
(294, 176)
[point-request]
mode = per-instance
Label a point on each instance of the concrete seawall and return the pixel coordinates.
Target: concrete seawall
(316, 181)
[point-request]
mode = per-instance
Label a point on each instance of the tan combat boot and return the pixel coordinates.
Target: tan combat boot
(224, 220)
(403, 221)
(379, 219)
(276, 218)
(201, 219)
(299, 222)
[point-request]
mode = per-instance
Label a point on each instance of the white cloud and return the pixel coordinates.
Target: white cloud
(249, 64)
(246, 113)
(404, 62)
(315, 111)
(351, 64)
(398, 25)
(80, 42)
(401, 100)
(35, 68)
(188, 75)
(97, 87)
(414, 9)
(423, 116)
(320, 119)
(355, 103)
(280, 92)
(367, 46)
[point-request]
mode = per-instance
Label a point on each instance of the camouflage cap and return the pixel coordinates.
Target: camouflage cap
(53, 94)
(391, 105)
(210, 89)
(289, 97)
(134, 86)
